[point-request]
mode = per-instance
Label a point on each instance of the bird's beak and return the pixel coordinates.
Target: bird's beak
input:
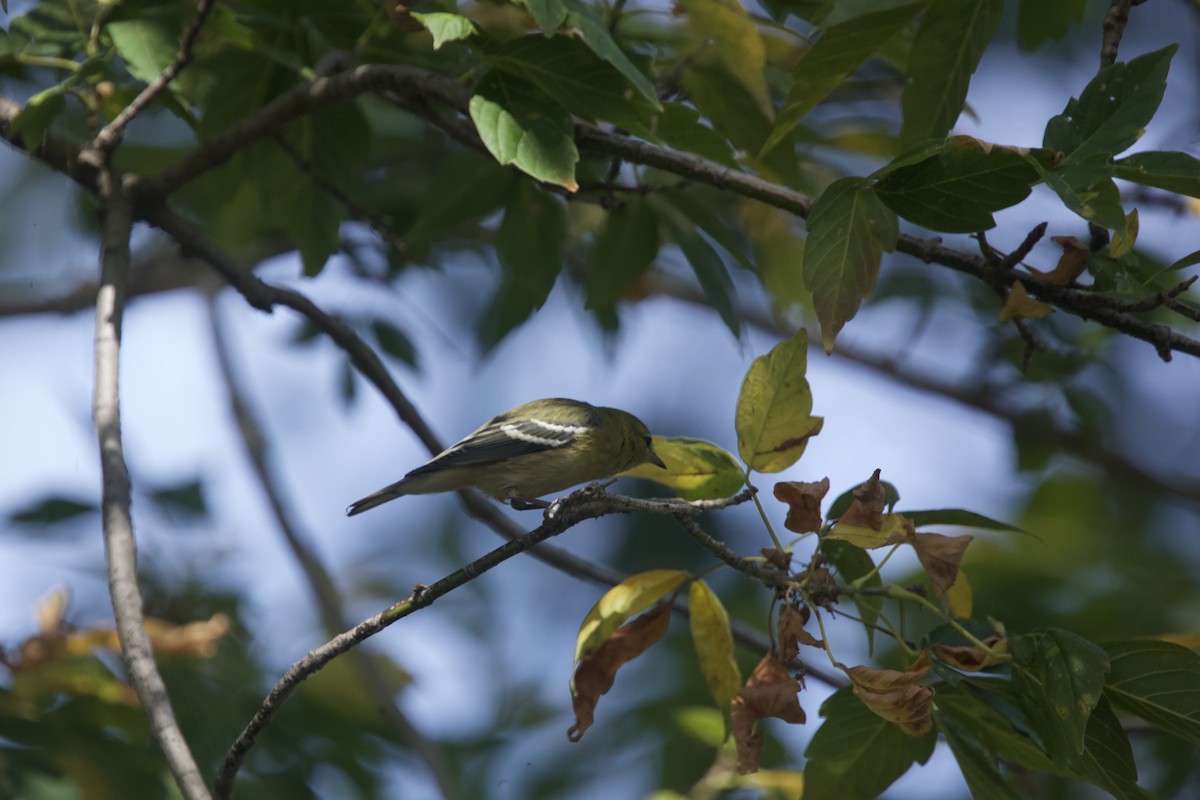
(655, 460)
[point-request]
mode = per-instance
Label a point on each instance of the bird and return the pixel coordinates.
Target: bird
(535, 449)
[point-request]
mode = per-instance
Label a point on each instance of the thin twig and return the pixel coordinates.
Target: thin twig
(590, 502)
(321, 583)
(120, 548)
(110, 135)
(1114, 28)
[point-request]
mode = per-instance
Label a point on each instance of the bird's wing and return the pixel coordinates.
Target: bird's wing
(502, 439)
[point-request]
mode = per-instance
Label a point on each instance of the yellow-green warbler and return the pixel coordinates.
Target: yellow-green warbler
(535, 449)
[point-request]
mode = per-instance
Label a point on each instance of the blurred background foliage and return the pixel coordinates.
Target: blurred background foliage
(443, 260)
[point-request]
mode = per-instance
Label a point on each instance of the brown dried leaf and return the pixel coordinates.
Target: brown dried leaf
(1070, 265)
(770, 691)
(895, 697)
(792, 633)
(803, 500)
(1019, 305)
(866, 509)
(940, 557)
(595, 674)
(198, 639)
(971, 659)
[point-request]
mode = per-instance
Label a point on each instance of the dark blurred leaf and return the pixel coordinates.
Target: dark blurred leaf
(582, 20)
(185, 500)
(710, 270)
(951, 40)
(467, 186)
(38, 114)
(51, 510)
(852, 563)
(957, 516)
(978, 765)
(1039, 22)
(624, 250)
(576, 78)
(680, 127)
(394, 342)
(348, 385)
(529, 245)
(842, 49)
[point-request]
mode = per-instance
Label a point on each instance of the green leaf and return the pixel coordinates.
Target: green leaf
(629, 597)
(841, 50)
(713, 643)
(1088, 190)
(851, 737)
(38, 114)
(773, 420)
(1175, 172)
(52, 510)
(529, 245)
(521, 126)
(467, 186)
(958, 516)
(1039, 22)
(710, 271)
(726, 27)
(958, 189)
(950, 41)
(1113, 110)
(679, 126)
(849, 230)
(625, 249)
(576, 78)
(185, 500)
(852, 563)
(149, 42)
(1160, 682)
(696, 469)
(1107, 758)
(986, 708)
(977, 764)
(394, 342)
(445, 27)
(548, 14)
(583, 20)
(1060, 677)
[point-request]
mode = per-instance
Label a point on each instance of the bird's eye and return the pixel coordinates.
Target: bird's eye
(649, 441)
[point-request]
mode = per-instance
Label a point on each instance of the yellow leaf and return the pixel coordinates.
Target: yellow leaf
(1020, 305)
(696, 469)
(959, 596)
(714, 646)
(631, 596)
(893, 529)
(774, 408)
(1121, 245)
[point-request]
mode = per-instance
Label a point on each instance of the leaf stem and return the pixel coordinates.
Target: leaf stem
(762, 511)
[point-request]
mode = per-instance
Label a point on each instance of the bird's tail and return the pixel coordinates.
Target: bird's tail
(397, 489)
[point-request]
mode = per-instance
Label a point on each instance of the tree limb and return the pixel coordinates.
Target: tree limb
(120, 547)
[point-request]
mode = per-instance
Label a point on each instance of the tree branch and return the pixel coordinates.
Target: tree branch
(590, 502)
(110, 135)
(325, 593)
(119, 546)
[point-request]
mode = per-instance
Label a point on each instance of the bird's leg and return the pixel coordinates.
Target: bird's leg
(527, 503)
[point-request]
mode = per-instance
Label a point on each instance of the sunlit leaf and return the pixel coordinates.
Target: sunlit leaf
(696, 469)
(713, 643)
(774, 421)
(631, 596)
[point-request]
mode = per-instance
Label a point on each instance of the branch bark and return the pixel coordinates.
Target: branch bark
(119, 545)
